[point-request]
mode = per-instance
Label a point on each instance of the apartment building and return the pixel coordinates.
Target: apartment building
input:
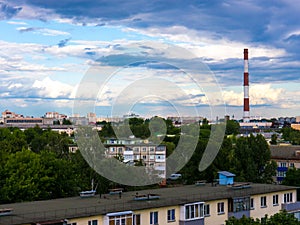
(183, 205)
(136, 150)
(286, 156)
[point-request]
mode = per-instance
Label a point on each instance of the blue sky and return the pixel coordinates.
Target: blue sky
(48, 47)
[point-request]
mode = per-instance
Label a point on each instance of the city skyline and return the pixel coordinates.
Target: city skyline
(48, 47)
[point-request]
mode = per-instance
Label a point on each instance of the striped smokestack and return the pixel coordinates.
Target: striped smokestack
(246, 116)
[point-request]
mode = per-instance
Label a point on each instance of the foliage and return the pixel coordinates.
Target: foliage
(243, 221)
(291, 135)
(281, 218)
(35, 164)
(253, 156)
(293, 179)
(273, 139)
(232, 127)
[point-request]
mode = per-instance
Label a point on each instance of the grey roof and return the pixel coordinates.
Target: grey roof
(57, 209)
(286, 152)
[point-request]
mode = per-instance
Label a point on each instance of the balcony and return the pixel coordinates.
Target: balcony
(239, 214)
(291, 207)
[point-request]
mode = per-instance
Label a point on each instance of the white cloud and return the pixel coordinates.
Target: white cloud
(260, 94)
(16, 22)
(49, 88)
(15, 85)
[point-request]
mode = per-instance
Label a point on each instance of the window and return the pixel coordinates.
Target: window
(151, 149)
(153, 218)
(137, 219)
(221, 208)
(120, 220)
(206, 210)
(288, 197)
(144, 149)
(240, 204)
(251, 203)
(292, 165)
(194, 211)
(281, 174)
(263, 201)
(282, 164)
(171, 215)
(93, 222)
(120, 150)
(275, 199)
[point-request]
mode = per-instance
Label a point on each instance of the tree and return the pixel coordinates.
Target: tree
(232, 127)
(293, 179)
(66, 122)
(243, 221)
(252, 159)
(273, 139)
(281, 218)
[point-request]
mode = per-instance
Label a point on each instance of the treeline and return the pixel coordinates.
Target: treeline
(291, 135)
(36, 164)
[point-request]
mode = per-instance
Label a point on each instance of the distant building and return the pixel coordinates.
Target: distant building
(92, 118)
(295, 126)
(80, 120)
(16, 122)
(286, 156)
(135, 150)
(9, 114)
(55, 115)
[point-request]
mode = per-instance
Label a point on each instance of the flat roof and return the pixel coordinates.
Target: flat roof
(67, 208)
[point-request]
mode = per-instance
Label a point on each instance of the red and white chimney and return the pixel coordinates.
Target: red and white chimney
(246, 116)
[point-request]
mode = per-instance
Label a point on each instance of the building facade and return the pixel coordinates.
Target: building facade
(135, 150)
(184, 205)
(286, 156)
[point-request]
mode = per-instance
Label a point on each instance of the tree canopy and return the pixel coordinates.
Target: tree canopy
(281, 218)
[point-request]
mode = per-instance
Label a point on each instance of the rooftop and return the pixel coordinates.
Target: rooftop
(57, 209)
(285, 152)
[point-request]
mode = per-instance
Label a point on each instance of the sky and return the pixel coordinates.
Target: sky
(166, 58)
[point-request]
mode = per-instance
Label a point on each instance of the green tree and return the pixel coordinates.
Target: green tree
(281, 218)
(293, 179)
(273, 139)
(243, 221)
(232, 127)
(66, 122)
(252, 159)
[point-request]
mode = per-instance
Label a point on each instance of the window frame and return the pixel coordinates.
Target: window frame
(275, 200)
(252, 207)
(206, 210)
(263, 201)
(171, 215)
(154, 218)
(221, 208)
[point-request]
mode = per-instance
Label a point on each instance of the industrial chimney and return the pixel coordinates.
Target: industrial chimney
(246, 116)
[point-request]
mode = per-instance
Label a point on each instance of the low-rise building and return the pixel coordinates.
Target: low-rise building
(286, 156)
(184, 205)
